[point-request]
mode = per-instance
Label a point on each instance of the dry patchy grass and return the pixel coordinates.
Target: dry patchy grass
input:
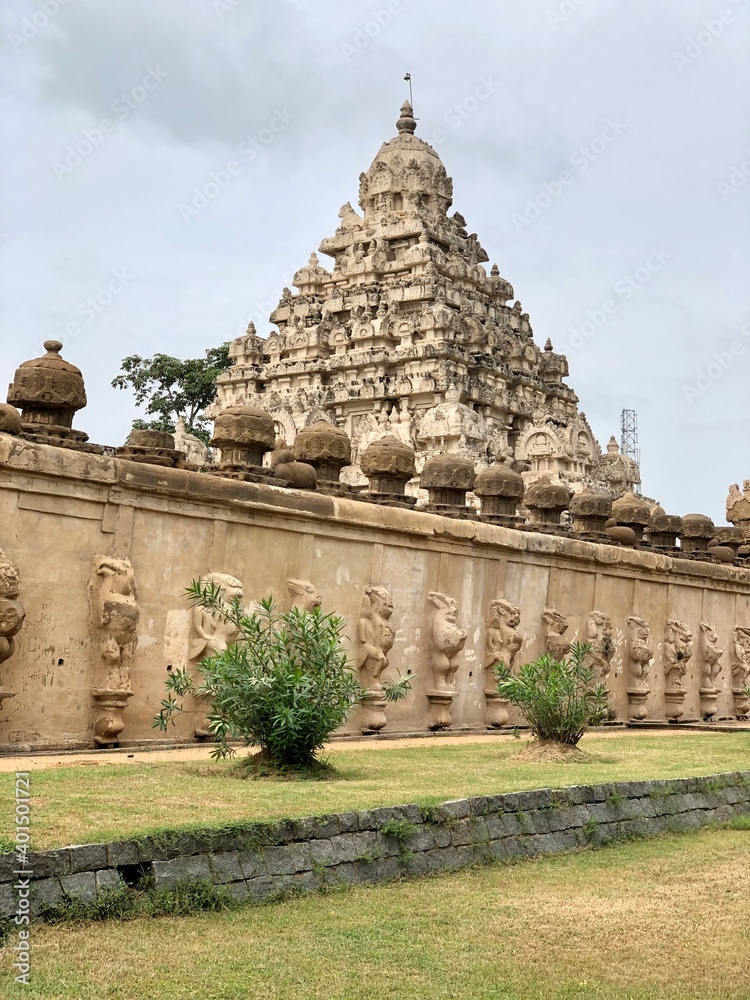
(104, 803)
(665, 919)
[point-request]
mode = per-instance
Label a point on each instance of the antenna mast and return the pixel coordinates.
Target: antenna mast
(411, 96)
(629, 438)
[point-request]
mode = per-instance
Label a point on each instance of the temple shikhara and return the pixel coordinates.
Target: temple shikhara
(397, 450)
(408, 334)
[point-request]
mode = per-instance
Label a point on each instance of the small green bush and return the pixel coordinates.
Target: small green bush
(286, 685)
(557, 697)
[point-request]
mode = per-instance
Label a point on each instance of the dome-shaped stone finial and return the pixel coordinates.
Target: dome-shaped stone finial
(388, 464)
(407, 122)
(590, 512)
(242, 434)
(697, 531)
(326, 448)
(500, 489)
(49, 391)
(631, 511)
(447, 478)
(494, 271)
(548, 345)
(546, 501)
(664, 529)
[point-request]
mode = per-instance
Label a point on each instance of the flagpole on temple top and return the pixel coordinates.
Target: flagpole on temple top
(411, 96)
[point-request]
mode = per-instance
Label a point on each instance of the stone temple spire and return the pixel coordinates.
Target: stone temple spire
(407, 122)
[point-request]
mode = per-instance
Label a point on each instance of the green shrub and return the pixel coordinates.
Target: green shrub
(286, 685)
(557, 697)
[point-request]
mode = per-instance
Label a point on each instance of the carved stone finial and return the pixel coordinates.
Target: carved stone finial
(500, 489)
(113, 601)
(631, 511)
(243, 434)
(49, 391)
(326, 447)
(546, 501)
(406, 122)
(590, 512)
(663, 529)
(389, 464)
(447, 478)
(304, 595)
(697, 532)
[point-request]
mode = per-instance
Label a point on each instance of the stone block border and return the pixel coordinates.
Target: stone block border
(261, 861)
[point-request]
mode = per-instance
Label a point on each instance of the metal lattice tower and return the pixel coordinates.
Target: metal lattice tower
(629, 437)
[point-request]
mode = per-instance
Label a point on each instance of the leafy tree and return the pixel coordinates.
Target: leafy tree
(557, 697)
(286, 685)
(172, 388)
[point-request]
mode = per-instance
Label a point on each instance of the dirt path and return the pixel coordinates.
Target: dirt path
(94, 758)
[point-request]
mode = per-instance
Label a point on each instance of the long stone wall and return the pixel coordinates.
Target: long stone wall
(257, 862)
(105, 548)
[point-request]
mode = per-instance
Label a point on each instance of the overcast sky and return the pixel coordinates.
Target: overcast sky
(170, 164)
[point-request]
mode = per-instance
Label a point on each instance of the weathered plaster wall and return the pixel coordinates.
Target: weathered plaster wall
(59, 508)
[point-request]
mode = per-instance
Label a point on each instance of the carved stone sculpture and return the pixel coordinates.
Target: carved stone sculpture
(503, 643)
(375, 636)
(209, 635)
(151, 447)
(710, 668)
(326, 447)
(446, 640)
(113, 601)
(243, 434)
(590, 512)
(599, 637)
(632, 511)
(546, 501)
(555, 627)
(697, 532)
(738, 508)
(298, 475)
(678, 649)
(500, 489)
(389, 465)
(741, 671)
(303, 594)
(49, 391)
(664, 529)
(447, 479)
(640, 655)
(10, 419)
(12, 612)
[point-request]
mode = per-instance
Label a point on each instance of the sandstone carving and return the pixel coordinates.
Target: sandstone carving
(640, 655)
(10, 419)
(599, 637)
(664, 529)
(195, 451)
(406, 333)
(738, 508)
(500, 489)
(710, 654)
(447, 479)
(678, 649)
(555, 626)
(375, 636)
(590, 512)
(546, 501)
(388, 464)
(303, 594)
(446, 640)
(12, 612)
(697, 532)
(210, 634)
(503, 643)
(632, 511)
(298, 475)
(151, 447)
(49, 391)
(113, 601)
(741, 671)
(326, 448)
(243, 434)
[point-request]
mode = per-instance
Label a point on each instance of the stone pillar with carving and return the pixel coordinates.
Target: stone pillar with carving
(304, 595)
(678, 649)
(741, 671)
(210, 635)
(446, 639)
(710, 668)
(640, 655)
(12, 612)
(113, 603)
(375, 637)
(555, 626)
(503, 643)
(599, 637)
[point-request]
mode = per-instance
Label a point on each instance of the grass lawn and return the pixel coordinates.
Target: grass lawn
(660, 919)
(89, 804)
